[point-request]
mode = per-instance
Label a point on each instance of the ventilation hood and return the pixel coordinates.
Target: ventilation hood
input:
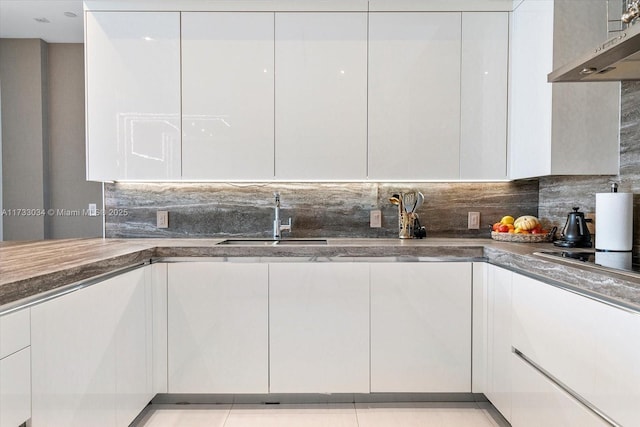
(617, 59)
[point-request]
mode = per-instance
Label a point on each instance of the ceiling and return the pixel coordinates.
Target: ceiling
(17, 20)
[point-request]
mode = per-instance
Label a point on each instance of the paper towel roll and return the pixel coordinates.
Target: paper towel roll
(614, 221)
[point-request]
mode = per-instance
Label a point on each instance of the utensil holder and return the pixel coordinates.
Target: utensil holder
(406, 225)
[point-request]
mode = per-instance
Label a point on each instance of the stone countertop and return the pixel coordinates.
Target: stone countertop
(30, 268)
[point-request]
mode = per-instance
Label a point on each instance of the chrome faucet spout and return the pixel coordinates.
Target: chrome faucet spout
(278, 227)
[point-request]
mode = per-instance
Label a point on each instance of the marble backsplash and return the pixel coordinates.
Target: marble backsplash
(558, 194)
(317, 209)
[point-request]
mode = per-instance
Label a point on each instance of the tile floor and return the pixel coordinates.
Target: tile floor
(322, 415)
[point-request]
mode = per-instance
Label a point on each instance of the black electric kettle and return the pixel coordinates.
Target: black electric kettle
(575, 233)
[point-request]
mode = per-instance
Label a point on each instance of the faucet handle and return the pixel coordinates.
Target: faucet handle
(286, 227)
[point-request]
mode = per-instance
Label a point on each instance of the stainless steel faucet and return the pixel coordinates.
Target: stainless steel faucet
(278, 227)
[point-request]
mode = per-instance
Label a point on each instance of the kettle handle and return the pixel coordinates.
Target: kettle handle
(580, 224)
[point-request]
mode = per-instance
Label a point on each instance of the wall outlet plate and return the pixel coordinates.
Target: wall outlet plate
(162, 219)
(375, 218)
(474, 221)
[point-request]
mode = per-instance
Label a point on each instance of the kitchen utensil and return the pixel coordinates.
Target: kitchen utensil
(575, 233)
(419, 201)
(409, 201)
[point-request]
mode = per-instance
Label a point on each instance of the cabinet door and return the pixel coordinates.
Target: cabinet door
(89, 355)
(530, 98)
(617, 371)
(499, 339)
(15, 388)
(218, 328)
(554, 328)
(414, 95)
(321, 95)
(133, 95)
(421, 327)
(483, 121)
(14, 332)
(227, 95)
(319, 327)
(73, 360)
(539, 402)
(132, 332)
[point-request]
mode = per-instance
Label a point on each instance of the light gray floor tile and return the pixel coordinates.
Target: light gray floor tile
(437, 414)
(185, 416)
(312, 415)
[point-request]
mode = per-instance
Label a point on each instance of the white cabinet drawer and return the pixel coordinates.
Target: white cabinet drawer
(15, 388)
(14, 332)
(591, 347)
(554, 328)
(537, 401)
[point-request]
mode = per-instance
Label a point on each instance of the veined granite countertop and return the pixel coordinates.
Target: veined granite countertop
(31, 268)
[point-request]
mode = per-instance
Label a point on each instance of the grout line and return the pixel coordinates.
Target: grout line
(228, 414)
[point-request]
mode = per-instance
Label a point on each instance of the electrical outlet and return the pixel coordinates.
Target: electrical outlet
(162, 219)
(474, 221)
(375, 219)
(93, 210)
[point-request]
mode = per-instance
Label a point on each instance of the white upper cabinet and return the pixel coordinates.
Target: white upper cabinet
(559, 128)
(414, 95)
(483, 90)
(321, 95)
(227, 95)
(133, 95)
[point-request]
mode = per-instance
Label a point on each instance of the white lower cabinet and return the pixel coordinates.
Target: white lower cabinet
(587, 345)
(218, 327)
(15, 370)
(319, 327)
(498, 384)
(617, 364)
(15, 388)
(537, 401)
(90, 354)
(421, 327)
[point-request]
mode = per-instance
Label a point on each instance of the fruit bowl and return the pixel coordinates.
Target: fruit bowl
(523, 238)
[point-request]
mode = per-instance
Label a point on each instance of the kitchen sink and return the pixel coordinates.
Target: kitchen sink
(272, 242)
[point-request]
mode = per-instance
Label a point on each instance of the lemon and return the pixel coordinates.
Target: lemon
(507, 220)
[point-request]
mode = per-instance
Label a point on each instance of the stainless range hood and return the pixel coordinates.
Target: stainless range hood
(617, 59)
